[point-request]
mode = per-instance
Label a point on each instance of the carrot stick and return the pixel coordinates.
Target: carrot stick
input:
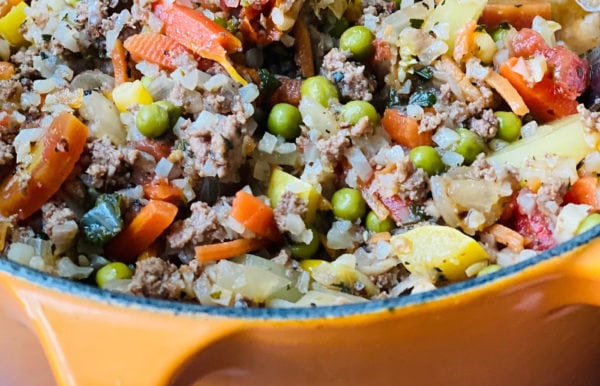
(163, 191)
(506, 236)
(142, 231)
(119, 62)
(519, 15)
(304, 52)
(463, 47)
(6, 70)
(155, 48)
(584, 191)
(228, 249)
(507, 92)
(404, 129)
(255, 215)
(5, 7)
(198, 33)
(448, 66)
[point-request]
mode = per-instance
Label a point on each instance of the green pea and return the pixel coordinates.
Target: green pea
(152, 120)
(374, 224)
(284, 119)
(353, 111)
(426, 158)
(319, 88)
(306, 251)
(500, 32)
(173, 111)
(358, 40)
(469, 145)
(588, 223)
(489, 269)
(509, 126)
(348, 204)
(112, 271)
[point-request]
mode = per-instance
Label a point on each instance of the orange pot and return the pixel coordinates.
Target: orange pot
(536, 323)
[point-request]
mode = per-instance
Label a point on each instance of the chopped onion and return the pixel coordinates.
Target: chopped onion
(163, 168)
(359, 163)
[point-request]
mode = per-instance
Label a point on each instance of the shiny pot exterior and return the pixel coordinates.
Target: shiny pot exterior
(532, 324)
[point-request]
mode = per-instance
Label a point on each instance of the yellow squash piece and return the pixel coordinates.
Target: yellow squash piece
(565, 138)
(10, 25)
(281, 182)
(438, 251)
(130, 93)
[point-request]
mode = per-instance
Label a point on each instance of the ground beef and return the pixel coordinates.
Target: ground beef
(157, 278)
(350, 77)
(432, 121)
(201, 227)
(333, 148)
(10, 90)
(217, 147)
(486, 126)
(591, 120)
(549, 196)
(361, 128)
(109, 166)
(290, 203)
(55, 214)
(387, 280)
(93, 19)
(416, 187)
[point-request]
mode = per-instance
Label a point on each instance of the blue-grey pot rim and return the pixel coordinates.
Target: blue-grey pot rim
(177, 307)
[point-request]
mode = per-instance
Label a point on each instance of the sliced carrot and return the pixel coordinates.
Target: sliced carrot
(7, 70)
(155, 48)
(506, 236)
(142, 231)
(119, 62)
(198, 33)
(463, 47)
(304, 52)
(519, 14)
(161, 190)
(544, 102)
(52, 161)
(404, 129)
(228, 249)
(507, 92)
(584, 191)
(255, 215)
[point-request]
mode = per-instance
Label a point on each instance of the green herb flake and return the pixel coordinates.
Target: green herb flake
(425, 73)
(416, 23)
(268, 82)
(422, 98)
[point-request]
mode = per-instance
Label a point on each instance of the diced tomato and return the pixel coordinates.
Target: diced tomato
(399, 210)
(533, 225)
(156, 148)
(584, 191)
(570, 73)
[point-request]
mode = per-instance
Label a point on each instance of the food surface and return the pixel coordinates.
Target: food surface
(294, 153)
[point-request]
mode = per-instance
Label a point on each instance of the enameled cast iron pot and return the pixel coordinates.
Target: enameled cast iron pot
(535, 323)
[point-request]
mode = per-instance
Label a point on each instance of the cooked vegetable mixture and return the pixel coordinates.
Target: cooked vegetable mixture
(268, 153)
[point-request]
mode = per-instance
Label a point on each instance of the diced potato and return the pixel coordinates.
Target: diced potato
(438, 251)
(565, 137)
(282, 182)
(11, 23)
(342, 274)
(129, 94)
(455, 13)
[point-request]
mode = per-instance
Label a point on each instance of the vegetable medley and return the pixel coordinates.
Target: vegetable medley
(294, 153)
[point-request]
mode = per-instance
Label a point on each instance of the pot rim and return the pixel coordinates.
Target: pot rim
(94, 293)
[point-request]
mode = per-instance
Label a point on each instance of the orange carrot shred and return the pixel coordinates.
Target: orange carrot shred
(142, 231)
(228, 249)
(404, 129)
(255, 215)
(119, 62)
(7, 70)
(507, 92)
(163, 191)
(506, 236)
(304, 53)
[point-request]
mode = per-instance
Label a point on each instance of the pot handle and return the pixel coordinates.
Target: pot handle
(94, 343)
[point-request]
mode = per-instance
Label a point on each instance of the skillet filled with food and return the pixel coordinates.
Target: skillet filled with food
(297, 153)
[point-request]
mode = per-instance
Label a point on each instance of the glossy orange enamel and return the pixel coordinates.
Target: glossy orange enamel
(538, 326)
